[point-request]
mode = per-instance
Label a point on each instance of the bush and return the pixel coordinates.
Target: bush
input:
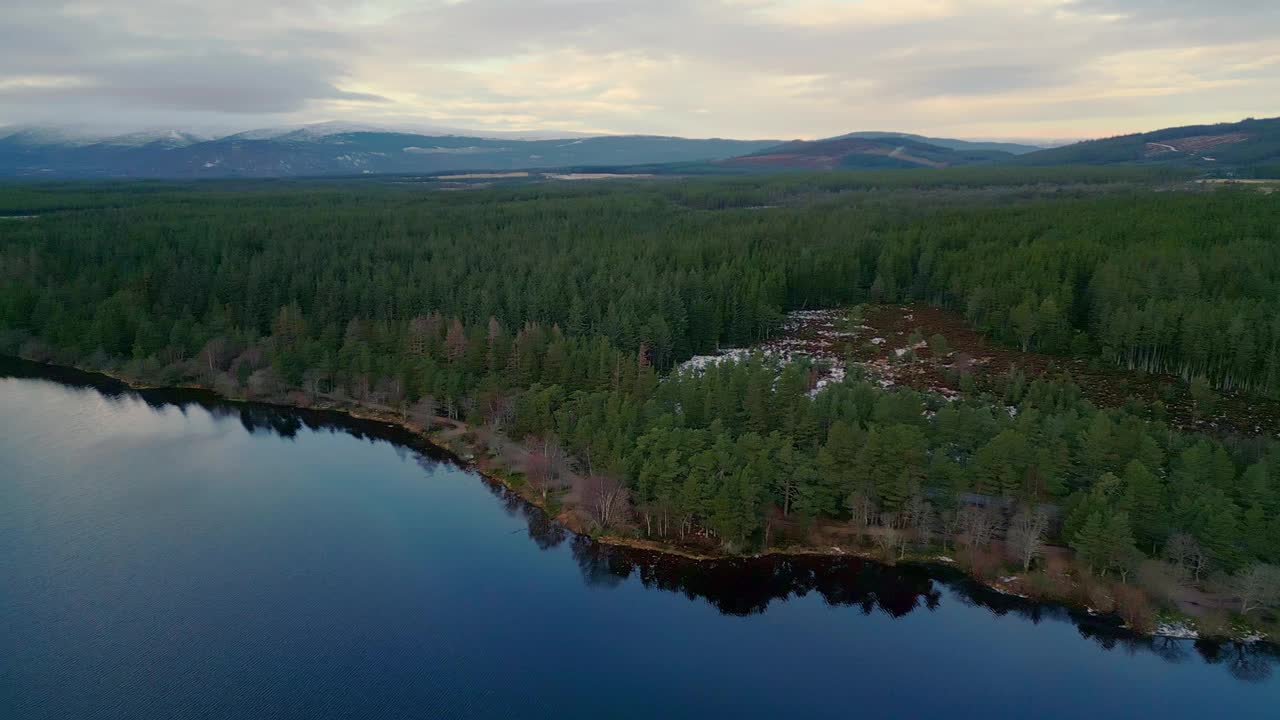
(1160, 580)
(1134, 607)
(1097, 594)
(938, 344)
(982, 564)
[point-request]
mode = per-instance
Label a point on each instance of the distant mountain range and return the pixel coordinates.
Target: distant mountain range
(329, 149)
(337, 149)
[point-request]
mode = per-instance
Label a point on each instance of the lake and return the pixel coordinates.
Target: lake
(167, 555)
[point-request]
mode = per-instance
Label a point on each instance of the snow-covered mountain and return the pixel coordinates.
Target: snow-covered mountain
(339, 127)
(329, 149)
(50, 135)
(164, 137)
(68, 134)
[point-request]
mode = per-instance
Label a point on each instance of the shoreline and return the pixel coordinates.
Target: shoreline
(464, 454)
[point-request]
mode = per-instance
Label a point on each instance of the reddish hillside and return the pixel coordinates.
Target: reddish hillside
(854, 152)
(1194, 145)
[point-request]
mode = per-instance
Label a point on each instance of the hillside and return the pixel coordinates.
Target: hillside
(856, 151)
(950, 143)
(35, 152)
(1249, 146)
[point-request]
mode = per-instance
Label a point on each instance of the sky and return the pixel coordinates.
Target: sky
(1033, 69)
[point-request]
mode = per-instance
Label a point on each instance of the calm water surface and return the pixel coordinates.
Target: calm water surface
(163, 555)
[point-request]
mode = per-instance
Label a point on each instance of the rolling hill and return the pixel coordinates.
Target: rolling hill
(1249, 146)
(951, 143)
(859, 151)
(331, 150)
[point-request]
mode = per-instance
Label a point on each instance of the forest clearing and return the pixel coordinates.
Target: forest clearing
(935, 350)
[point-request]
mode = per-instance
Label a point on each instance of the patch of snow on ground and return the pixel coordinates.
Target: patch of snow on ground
(834, 376)
(800, 329)
(824, 336)
(946, 393)
(698, 363)
(1176, 630)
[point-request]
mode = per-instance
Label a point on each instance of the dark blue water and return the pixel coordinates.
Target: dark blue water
(166, 556)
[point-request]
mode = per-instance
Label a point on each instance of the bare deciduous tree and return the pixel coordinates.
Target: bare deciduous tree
(951, 522)
(214, 354)
(888, 538)
(360, 387)
(863, 510)
(466, 404)
(313, 381)
(1185, 551)
(546, 465)
(455, 341)
(1257, 587)
(264, 383)
(1025, 539)
(389, 391)
(606, 495)
(423, 412)
(917, 515)
(498, 410)
(979, 525)
(422, 331)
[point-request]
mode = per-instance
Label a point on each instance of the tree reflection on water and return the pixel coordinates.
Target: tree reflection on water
(747, 586)
(735, 586)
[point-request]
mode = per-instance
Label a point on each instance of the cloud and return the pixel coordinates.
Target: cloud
(168, 58)
(747, 68)
(1177, 9)
(217, 82)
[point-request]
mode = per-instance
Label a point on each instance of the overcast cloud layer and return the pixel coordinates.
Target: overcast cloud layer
(738, 68)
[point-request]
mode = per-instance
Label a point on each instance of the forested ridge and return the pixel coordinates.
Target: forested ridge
(552, 315)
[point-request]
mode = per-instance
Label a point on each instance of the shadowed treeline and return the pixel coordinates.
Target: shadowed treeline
(748, 586)
(285, 422)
